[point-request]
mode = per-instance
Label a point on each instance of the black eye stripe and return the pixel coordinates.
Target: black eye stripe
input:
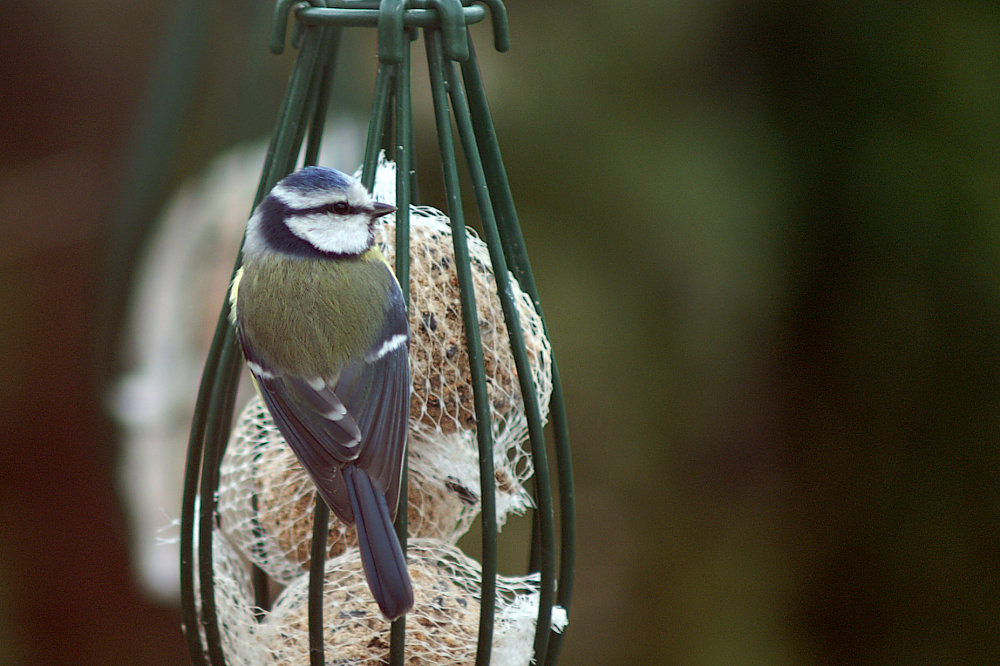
(337, 207)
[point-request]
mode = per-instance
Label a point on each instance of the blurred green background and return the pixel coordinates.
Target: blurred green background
(767, 239)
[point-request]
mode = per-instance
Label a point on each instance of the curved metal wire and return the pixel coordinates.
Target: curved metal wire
(457, 97)
(516, 255)
(543, 490)
(435, 59)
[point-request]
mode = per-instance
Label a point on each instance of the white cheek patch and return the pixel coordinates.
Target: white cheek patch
(341, 234)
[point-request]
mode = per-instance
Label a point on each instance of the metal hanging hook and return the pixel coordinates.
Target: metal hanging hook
(391, 31)
(279, 24)
(453, 30)
(501, 27)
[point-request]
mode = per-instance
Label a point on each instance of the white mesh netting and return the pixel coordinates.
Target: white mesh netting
(442, 628)
(266, 501)
(233, 602)
(442, 416)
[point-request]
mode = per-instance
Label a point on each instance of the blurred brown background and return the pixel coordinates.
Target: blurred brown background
(766, 236)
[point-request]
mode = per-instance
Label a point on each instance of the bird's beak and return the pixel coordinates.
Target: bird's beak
(379, 209)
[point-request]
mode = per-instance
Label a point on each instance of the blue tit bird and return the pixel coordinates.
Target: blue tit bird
(324, 330)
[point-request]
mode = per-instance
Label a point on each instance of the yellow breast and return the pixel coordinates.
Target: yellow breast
(309, 316)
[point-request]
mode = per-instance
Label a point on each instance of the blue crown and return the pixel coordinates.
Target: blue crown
(313, 178)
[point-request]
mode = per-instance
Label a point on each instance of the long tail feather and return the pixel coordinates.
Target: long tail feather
(381, 554)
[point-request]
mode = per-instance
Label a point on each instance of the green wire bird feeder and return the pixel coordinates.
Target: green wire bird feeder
(484, 382)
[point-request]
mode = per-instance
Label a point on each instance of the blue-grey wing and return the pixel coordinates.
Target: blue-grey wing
(375, 389)
(323, 446)
(357, 415)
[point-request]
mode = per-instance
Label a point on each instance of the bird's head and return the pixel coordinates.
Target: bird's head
(315, 211)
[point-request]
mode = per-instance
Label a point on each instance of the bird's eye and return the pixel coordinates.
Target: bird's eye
(341, 207)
